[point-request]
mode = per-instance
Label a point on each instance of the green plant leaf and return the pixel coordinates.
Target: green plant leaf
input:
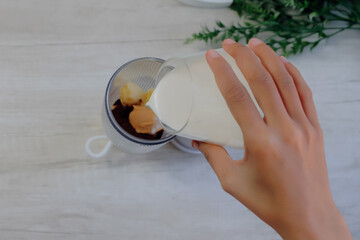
(291, 24)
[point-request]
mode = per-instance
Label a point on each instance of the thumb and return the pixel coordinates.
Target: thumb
(218, 158)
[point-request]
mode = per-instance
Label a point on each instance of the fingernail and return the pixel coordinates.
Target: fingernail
(229, 41)
(283, 59)
(212, 53)
(254, 42)
(195, 144)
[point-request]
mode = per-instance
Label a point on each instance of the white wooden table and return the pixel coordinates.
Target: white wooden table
(55, 60)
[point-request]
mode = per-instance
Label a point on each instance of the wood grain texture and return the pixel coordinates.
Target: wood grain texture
(55, 60)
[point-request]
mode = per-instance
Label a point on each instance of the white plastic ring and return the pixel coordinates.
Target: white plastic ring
(100, 154)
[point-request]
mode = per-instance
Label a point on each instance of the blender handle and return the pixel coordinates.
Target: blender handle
(100, 154)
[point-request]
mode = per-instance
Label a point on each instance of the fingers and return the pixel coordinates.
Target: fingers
(231, 174)
(218, 158)
(236, 96)
(304, 93)
(282, 78)
(260, 82)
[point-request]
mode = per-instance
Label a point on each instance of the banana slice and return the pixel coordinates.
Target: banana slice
(145, 98)
(130, 94)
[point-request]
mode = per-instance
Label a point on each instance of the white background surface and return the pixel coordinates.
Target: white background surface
(55, 60)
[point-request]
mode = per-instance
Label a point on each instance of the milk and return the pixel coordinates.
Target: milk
(188, 102)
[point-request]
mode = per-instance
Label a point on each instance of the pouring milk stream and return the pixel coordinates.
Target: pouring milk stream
(188, 102)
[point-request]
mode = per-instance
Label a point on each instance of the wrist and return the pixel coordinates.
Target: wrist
(328, 224)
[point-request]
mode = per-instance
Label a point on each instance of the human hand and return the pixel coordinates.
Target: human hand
(282, 177)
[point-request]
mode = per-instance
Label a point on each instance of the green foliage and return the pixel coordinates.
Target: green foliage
(291, 25)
